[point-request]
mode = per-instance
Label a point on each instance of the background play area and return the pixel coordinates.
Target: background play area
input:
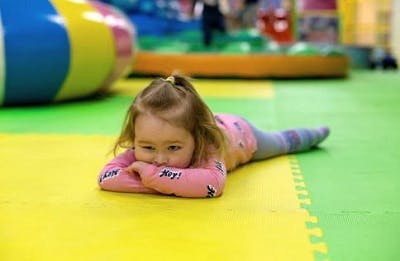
(70, 68)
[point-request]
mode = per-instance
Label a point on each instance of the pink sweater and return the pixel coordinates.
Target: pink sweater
(208, 180)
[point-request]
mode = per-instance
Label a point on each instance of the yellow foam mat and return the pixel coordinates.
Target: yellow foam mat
(207, 88)
(51, 209)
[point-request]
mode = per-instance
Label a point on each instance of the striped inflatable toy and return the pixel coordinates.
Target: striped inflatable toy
(56, 50)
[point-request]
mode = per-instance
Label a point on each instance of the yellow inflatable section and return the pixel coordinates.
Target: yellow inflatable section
(90, 41)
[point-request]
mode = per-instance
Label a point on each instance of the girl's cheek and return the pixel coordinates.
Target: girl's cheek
(142, 156)
(182, 163)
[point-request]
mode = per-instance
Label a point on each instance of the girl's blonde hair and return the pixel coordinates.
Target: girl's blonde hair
(176, 101)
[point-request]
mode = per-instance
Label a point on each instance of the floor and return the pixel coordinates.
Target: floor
(337, 202)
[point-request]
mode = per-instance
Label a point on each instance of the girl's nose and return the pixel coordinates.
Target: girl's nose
(160, 159)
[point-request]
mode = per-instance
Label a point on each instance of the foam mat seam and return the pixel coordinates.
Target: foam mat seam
(315, 232)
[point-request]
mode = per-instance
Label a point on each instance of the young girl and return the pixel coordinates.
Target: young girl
(174, 144)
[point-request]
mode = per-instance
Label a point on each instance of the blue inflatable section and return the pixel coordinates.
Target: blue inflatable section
(153, 25)
(155, 18)
(34, 48)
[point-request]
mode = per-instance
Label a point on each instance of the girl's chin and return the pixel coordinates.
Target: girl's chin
(178, 166)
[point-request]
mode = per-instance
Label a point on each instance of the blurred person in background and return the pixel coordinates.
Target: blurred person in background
(212, 17)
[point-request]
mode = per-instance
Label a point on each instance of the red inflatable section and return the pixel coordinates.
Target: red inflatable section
(276, 24)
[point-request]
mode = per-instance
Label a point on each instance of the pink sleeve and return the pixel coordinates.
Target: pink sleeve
(113, 177)
(207, 181)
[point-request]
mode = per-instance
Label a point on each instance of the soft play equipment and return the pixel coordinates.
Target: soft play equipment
(158, 18)
(277, 24)
(246, 55)
(54, 50)
(169, 41)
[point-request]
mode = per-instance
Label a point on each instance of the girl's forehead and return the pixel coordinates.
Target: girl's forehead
(150, 121)
(177, 116)
(151, 128)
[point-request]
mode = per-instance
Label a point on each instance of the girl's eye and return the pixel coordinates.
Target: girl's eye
(174, 148)
(148, 147)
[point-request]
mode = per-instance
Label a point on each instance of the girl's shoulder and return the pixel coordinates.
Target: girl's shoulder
(226, 117)
(229, 120)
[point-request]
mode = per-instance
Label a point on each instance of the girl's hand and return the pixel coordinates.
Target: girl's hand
(136, 167)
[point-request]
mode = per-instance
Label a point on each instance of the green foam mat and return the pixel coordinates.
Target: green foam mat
(354, 179)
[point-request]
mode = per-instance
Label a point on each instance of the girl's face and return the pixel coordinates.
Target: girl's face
(160, 143)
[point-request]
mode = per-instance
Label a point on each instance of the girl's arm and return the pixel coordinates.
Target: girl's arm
(114, 176)
(207, 181)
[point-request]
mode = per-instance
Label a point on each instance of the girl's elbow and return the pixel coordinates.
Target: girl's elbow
(214, 191)
(105, 184)
(108, 179)
(102, 185)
